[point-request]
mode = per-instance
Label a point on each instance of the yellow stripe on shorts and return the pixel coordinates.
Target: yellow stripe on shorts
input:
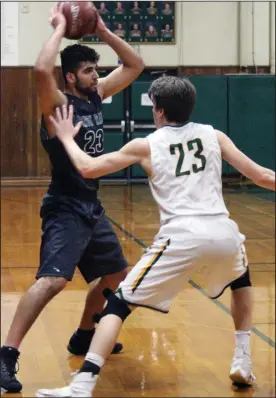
(148, 266)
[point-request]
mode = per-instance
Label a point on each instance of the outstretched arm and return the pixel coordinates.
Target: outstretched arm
(261, 176)
(133, 152)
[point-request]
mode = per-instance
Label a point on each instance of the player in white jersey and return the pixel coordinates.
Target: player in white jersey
(183, 161)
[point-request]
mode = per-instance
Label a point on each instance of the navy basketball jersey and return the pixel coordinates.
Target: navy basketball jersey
(66, 180)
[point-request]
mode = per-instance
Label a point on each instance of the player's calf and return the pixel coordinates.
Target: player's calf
(241, 305)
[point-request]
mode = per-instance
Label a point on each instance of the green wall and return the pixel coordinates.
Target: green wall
(251, 122)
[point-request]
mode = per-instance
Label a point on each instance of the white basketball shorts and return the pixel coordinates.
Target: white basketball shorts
(211, 245)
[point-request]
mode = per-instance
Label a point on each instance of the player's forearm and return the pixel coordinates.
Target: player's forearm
(82, 162)
(47, 58)
(126, 54)
(266, 179)
(87, 166)
(97, 167)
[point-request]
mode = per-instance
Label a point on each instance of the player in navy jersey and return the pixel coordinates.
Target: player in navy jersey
(75, 231)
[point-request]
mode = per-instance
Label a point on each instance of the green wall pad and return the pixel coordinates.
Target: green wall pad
(113, 141)
(140, 103)
(252, 117)
(113, 108)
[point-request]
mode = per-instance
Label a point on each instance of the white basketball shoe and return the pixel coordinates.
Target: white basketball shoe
(82, 385)
(241, 367)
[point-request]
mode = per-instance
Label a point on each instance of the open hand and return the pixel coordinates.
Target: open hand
(57, 19)
(63, 123)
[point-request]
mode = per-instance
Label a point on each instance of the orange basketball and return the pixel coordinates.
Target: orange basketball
(81, 18)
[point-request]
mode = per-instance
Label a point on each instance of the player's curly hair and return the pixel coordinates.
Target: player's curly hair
(73, 55)
(176, 96)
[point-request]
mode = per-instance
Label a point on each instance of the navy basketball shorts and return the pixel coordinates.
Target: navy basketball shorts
(70, 240)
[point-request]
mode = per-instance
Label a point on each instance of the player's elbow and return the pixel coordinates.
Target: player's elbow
(140, 64)
(41, 69)
(137, 66)
(91, 172)
(87, 172)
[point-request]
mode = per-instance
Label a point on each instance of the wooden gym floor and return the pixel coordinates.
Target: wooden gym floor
(186, 353)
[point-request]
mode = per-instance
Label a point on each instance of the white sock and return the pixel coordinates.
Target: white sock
(95, 358)
(243, 340)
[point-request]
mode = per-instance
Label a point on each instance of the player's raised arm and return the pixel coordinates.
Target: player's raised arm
(122, 76)
(259, 175)
(49, 94)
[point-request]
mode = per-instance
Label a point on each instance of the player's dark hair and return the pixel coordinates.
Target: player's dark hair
(176, 96)
(72, 56)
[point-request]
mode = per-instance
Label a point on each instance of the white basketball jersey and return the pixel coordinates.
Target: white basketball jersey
(186, 163)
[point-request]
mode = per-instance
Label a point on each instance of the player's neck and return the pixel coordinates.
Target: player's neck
(76, 93)
(174, 124)
(165, 123)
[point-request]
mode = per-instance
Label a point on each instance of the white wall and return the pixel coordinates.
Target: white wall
(34, 30)
(261, 36)
(207, 34)
(255, 33)
(210, 33)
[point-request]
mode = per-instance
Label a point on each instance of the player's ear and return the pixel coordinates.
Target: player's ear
(71, 78)
(162, 113)
(159, 112)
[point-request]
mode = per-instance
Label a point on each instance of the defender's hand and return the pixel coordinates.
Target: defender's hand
(63, 123)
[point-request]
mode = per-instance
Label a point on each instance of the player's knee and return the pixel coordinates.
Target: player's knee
(122, 275)
(242, 281)
(114, 306)
(112, 281)
(52, 285)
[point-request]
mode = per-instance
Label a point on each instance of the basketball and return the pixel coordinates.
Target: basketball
(81, 18)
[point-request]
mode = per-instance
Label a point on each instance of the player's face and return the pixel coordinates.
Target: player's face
(86, 78)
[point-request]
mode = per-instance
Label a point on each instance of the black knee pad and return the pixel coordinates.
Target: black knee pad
(242, 281)
(115, 306)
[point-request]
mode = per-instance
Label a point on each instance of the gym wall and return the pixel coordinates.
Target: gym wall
(213, 40)
(207, 33)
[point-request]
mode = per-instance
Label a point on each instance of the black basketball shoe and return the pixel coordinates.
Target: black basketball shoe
(80, 342)
(9, 360)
